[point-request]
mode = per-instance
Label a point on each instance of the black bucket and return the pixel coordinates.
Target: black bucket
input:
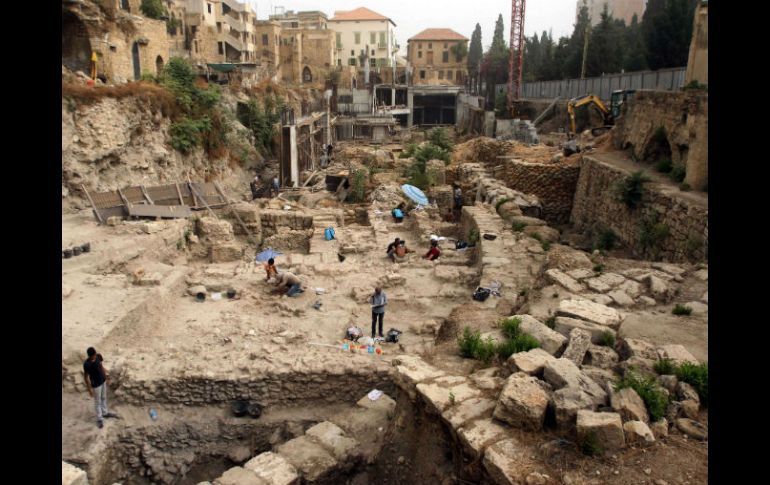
(200, 296)
(231, 294)
(255, 410)
(341, 258)
(86, 248)
(76, 251)
(66, 254)
(239, 408)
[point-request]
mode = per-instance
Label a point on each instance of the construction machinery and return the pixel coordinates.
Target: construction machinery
(610, 115)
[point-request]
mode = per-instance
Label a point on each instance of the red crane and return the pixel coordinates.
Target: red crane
(517, 52)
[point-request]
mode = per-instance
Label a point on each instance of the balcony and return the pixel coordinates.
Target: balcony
(381, 45)
(234, 23)
(339, 47)
(238, 7)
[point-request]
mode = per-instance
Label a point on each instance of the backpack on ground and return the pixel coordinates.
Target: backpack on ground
(329, 234)
(393, 335)
(481, 294)
(461, 245)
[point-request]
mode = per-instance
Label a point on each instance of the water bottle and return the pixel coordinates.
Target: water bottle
(153, 414)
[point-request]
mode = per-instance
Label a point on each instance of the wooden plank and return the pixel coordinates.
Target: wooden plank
(235, 213)
(167, 211)
(146, 195)
(179, 193)
(193, 190)
(96, 212)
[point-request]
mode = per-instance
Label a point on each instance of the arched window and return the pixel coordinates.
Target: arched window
(307, 76)
(159, 65)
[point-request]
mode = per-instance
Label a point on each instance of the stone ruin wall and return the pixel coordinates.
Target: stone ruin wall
(683, 115)
(553, 184)
(596, 206)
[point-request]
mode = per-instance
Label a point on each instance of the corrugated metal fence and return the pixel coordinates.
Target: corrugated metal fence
(603, 86)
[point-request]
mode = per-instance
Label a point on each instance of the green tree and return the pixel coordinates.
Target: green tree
(494, 67)
(475, 53)
(153, 9)
(667, 30)
(634, 57)
(498, 39)
(573, 58)
(605, 51)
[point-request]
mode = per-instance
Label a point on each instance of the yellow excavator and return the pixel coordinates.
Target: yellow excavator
(608, 114)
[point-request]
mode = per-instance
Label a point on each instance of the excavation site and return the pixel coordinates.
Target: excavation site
(280, 269)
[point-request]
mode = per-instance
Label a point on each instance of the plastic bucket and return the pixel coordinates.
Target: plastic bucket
(76, 251)
(66, 254)
(86, 248)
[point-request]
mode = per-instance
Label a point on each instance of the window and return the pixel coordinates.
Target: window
(441, 74)
(459, 76)
(422, 74)
(430, 45)
(221, 48)
(219, 27)
(449, 75)
(419, 54)
(382, 39)
(265, 39)
(445, 56)
(295, 25)
(195, 44)
(352, 53)
(372, 38)
(358, 37)
(339, 40)
(339, 62)
(446, 45)
(373, 53)
(372, 62)
(125, 5)
(352, 61)
(209, 7)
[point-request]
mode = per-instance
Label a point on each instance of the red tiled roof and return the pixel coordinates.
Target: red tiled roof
(361, 13)
(438, 34)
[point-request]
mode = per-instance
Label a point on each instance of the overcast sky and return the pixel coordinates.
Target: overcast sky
(412, 16)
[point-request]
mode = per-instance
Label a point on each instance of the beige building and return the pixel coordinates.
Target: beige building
(311, 20)
(619, 9)
(361, 29)
(220, 31)
(306, 50)
(433, 55)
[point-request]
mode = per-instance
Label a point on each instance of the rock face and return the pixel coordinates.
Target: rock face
(273, 469)
(531, 362)
(565, 325)
(215, 231)
(605, 428)
(601, 357)
(692, 428)
(506, 462)
(579, 341)
(563, 373)
(523, 402)
(590, 312)
(71, 475)
(638, 432)
(629, 405)
(677, 353)
(564, 280)
(550, 341)
(629, 347)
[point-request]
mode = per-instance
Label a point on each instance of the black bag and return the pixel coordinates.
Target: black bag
(461, 245)
(392, 335)
(481, 294)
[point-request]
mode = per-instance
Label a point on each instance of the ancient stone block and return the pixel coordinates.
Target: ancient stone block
(602, 357)
(629, 405)
(531, 362)
(565, 325)
(223, 253)
(606, 428)
(550, 341)
(71, 475)
(522, 402)
(273, 469)
(333, 438)
(591, 312)
(579, 341)
(564, 280)
(638, 433)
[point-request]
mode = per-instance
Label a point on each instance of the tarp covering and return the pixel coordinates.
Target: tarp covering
(222, 67)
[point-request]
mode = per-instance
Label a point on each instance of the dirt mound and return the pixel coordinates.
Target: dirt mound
(534, 154)
(482, 149)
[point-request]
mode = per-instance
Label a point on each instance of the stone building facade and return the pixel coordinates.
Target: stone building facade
(619, 9)
(698, 61)
(433, 54)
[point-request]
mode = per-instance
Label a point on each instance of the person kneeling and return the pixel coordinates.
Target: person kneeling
(434, 252)
(291, 283)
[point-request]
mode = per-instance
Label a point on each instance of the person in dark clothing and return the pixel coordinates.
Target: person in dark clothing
(392, 249)
(96, 377)
(329, 149)
(434, 252)
(378, 301)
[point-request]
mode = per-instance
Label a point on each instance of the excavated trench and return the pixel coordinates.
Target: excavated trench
(186, 446)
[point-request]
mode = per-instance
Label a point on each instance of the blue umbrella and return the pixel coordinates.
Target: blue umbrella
(415, 194)
(267, 254)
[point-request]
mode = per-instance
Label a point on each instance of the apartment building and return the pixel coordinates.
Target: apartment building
(220, 31)
(309, 20)
(438, 57)
(361, 29)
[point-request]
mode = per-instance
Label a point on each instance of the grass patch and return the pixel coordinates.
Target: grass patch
(473, 347)
(606, 240)
(652, 233)
(590, 446)
(681, 310)
(358, 186)
(473, 236)
(697, 375)
(678, 173)
(515, 341)
(598, 268)
(501, 202)
(664, 166)
(518, 226)
(408, 151)
(546, 245)
(648, 389)
(664, 367)
(510, 327)
(440, 138)
(607, 339)
(630, 190)
(693, 245)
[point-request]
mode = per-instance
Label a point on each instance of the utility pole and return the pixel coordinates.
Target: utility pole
(585, 51)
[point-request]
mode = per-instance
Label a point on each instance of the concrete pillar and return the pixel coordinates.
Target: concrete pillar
(410, 105)
(294, 156)
(393, 96)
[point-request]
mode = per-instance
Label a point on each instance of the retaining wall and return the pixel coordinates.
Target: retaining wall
(595, 205)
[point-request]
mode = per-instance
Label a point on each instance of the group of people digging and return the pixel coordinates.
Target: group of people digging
(398, 249)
